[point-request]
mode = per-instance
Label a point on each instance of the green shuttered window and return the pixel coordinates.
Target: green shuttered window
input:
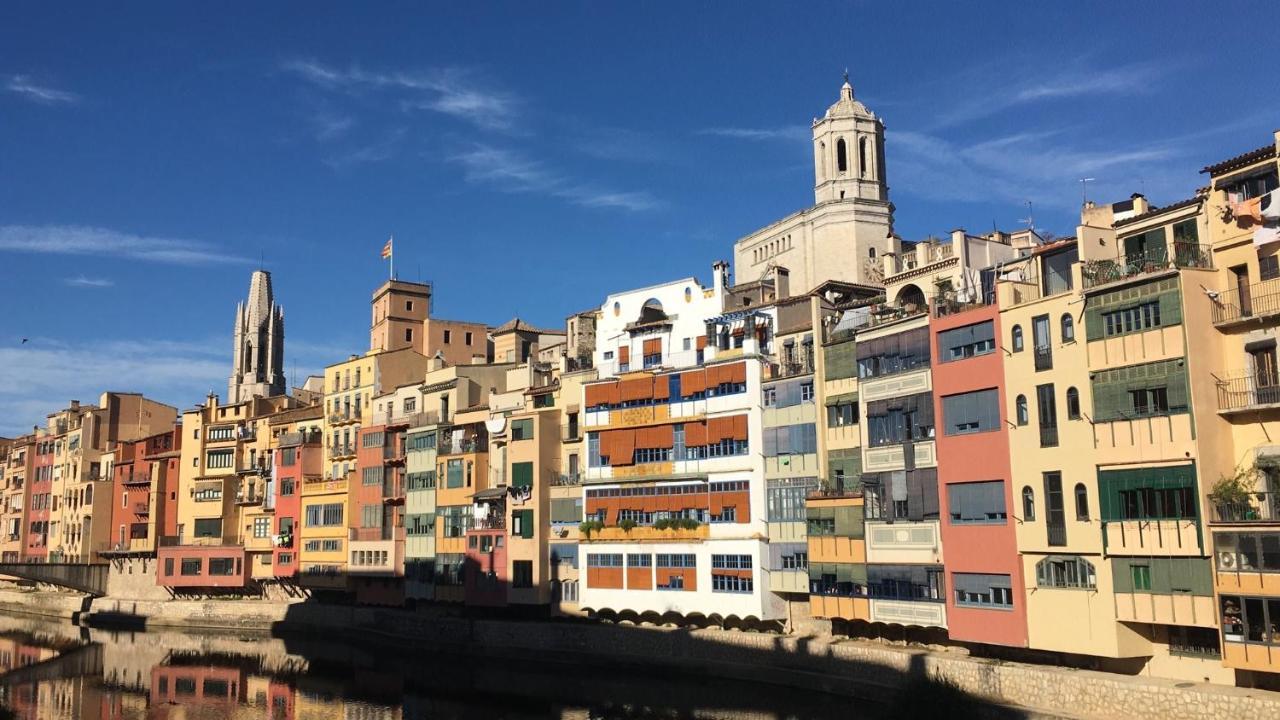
(1125, 310)
(1147, 390)
(522, 474)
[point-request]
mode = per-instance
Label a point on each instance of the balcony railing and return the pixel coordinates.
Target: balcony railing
(1049, 436)
(1057, 535)
(294, 439)
(338, 451)
(1260, 507)
(951, 302)
(393, 489)
(371, 534)
(797, 362)
(1255, 302)
(411, 419)
(493, 522)
(1044, 357)
(1156, 259)
(448, 446)
(885, 314)
(563, 480)
(249, 497)
(141, 478)
(1248, 391)
(142, 508)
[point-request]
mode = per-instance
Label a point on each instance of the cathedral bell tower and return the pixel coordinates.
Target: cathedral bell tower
(848, 152)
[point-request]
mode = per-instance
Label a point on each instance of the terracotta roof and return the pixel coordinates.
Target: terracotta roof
(1239, 161)
(1158, 210)
(515, 324)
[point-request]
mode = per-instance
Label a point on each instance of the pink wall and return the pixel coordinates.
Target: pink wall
(487, 592)
(173, 577)
(971, 458)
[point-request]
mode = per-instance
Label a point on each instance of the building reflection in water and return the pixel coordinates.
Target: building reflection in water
(54, 672)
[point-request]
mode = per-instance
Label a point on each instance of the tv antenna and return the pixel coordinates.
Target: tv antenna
(1030, 219)
(1084, 190)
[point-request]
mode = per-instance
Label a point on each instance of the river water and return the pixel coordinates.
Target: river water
(58, 670)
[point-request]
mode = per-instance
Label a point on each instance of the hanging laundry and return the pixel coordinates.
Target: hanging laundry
(1270, 207)
(1266, 235)
(1250, 210)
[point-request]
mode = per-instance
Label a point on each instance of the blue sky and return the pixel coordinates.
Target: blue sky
(532, 157)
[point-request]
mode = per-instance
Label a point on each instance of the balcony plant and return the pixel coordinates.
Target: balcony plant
(686, 524)
(589, 526)
(1231, 494)
(662, 524)
(627, 525)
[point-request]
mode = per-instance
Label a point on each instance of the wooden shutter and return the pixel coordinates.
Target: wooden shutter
(702, 342)
(640, 388)
(623, 447)
(662, 387)
(736, 373)
(522, 474)
(695, 434)
(693, 381)
(653, 347)
(624, 354)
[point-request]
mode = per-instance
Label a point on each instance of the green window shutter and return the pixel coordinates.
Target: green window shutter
(1123, 575)
(1170, 308)
(1094, 328)
(526, 523)
(522, 474)
(1176, 387)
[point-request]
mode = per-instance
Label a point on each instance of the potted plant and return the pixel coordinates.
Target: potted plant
(662, 524)
(1231, 494)
(627, 525)
(589, 526)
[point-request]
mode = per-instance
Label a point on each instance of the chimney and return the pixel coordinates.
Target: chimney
(720, 277)
(1140, 204)
(75, 405)
(781, 283)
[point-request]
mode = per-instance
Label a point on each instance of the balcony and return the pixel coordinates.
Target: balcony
(885, 314)
(139, 478)
(1248, 391)
(794, 362)
(344, 417)
(341, 451)
(1044, 357)
(391, 454)
(1057, 535)
(1152, 260)
(409, 419)
(393, 490)
(1260, 507)
(1257, 302)
(951, 302)
(142, 508)
(294, 439)
(492, 522)
(377, 534)
(249, 496)
(447, 446)
(565, 480)
(1049, 436)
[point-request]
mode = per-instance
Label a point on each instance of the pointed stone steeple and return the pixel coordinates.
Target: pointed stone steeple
(258, 339)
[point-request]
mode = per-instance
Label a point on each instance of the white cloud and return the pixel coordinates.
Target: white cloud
(378, 151)
(42, 375)
(796, 133)
(88, 282)
(81, 240)
(451, 91)
(23, 85)
(510, 172)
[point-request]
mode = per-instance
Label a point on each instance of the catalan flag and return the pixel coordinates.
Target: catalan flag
(386, 249)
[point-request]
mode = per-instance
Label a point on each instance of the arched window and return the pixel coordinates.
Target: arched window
(871, 253)
(822, 161)
(1082, 502)
(842, 162)
(1023, 416)
(1073, 404)
(862, 157)
(1065, 571)
(1068, 328)
(1028, 503)
(1015, 338)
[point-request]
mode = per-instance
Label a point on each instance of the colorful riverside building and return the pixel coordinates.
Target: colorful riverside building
(668, 449)
(144, 494)
(16, 459)
(1240, 211)
(297, 440)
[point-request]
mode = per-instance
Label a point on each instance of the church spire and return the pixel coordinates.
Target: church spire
(257, 363)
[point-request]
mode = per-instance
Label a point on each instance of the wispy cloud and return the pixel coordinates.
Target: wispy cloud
(26, 87)
(376, 151)
(327, 125)
(81, 240)
(510, 172)
(980, 99)
(452, 91)
(88, 282)
(796, 133)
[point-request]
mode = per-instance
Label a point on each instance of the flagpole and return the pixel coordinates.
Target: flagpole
(392, 242)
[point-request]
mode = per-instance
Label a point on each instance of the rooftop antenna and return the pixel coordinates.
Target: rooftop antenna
(1030, 219)
(1084, 190)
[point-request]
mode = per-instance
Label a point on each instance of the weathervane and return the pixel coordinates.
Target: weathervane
(846, 74)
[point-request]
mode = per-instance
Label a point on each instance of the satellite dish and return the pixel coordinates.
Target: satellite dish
(496, 424)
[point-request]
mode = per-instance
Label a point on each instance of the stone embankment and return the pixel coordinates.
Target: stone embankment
(861, 669)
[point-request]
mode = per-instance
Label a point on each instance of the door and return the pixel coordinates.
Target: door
(1042, 344)
(1243, 301)
(1266, 378)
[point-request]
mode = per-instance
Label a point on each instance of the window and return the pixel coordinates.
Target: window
(1068, 328)
(467, 338)
(371, 475)
(1082, 503)
(790, 440)
(1251, 552)
(842, 413)
(806, 392)
(219, 459)
(770, 396)
(1015, 338)
(1055, 513)
(1141, 576)
(982, 590)
(966, 342)
(604, 560)
(1047, 412)
(453, 473)
(408, 306)
(785, 498)
(522, 474)
(1024, 416)
(905, 582)
(971, 412)
(1125, 393)
(191, 566)
(408, 334)
(327, 515)
(1028, 504)
(372, 439)
(842, 160)
(976, 503)
(1065, 571)
(894, 354)
(522, 429)
(261, 527)
(1269, 267)
(522, 523)
(289, 456)
(522, 573)
(448, 336)
(222, 566)
(1073, 404)
(721, 582)
(1132, 319)
(895, 421)
(208, 528)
